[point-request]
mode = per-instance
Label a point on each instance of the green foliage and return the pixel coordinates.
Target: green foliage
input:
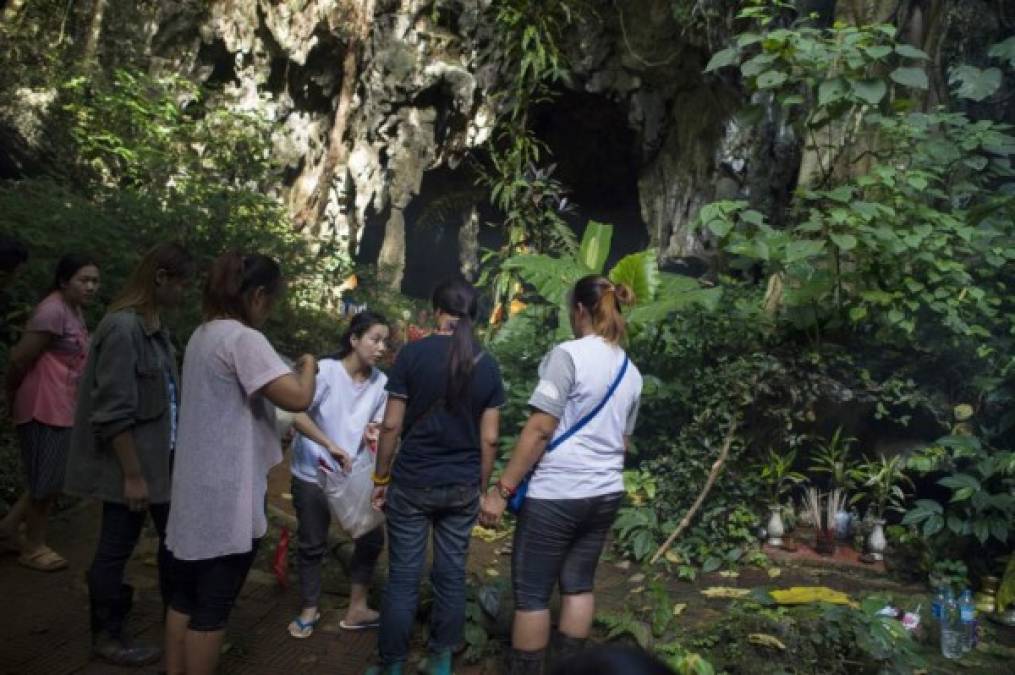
(152, 161)
(778, 473)
(981, 483)
(817, 638)
(832, 459)
(880, 482)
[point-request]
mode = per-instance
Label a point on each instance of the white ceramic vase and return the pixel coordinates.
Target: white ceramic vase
(775, 527)
(876, 543)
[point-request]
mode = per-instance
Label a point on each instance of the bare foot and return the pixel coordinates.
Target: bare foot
(361, 616)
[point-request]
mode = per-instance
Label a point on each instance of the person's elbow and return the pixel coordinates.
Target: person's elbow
(391, 428)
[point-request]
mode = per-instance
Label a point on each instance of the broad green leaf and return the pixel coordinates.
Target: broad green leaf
(757, 65)
(595, 247)
(552, 278)
(676, 293)
(1004, 51)
(973, 83)
(640, 271)
(911, 52)
(878, 51)
(771, 79)
(753, 217)
(857, 314)
(803, 249)
(845, 241)
(831, 91)
(722, 58)
(915, 78)
(720, 227)
(870, 91)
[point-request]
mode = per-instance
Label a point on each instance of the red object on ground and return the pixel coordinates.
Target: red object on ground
(281, 562)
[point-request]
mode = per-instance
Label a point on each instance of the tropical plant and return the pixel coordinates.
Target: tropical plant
(981, 481)
(881, 483)
(778, 473)
(832, 459)
(657, 294)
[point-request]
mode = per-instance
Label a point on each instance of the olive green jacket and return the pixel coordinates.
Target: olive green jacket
(125, 387)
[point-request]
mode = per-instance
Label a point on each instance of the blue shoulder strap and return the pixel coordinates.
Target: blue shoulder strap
(595, 411)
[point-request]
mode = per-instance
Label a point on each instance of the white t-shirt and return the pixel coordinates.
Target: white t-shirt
(342, 409)
(226, 442)
(573, 380)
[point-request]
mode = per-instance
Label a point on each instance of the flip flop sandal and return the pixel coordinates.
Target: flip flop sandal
(302, 630)
(363, 625)
(44, 559)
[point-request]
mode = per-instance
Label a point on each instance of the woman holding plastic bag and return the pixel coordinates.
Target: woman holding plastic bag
(333, 460)
(583, 412)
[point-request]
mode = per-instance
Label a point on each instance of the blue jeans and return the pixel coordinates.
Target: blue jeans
(451, 511)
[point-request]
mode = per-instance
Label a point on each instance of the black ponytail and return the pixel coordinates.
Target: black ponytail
(358, 327)
(460, 300)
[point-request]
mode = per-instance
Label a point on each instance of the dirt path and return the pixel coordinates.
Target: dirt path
(45, 625)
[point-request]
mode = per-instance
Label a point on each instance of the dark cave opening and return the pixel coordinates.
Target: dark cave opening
(596, 153)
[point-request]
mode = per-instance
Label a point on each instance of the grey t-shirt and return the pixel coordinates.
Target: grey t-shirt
(226, 442)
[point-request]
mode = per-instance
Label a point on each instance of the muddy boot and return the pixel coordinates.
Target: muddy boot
(111, 642)
(527, 663)
(565, 646)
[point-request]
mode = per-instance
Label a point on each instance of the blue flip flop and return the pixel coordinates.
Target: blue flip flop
(300, 629)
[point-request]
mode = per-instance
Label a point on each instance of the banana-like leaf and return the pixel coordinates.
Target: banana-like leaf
(595, 245)
(552, 278)
(676, 292)
(640, 271)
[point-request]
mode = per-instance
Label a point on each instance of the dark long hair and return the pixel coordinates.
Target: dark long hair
(67, 267)
(602, 299)
(232, 280)
(358, 327)
(459, 299)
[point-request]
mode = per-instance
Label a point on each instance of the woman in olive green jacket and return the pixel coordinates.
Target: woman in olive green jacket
(123, 439)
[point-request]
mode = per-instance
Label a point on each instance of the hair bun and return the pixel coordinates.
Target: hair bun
(625, 295)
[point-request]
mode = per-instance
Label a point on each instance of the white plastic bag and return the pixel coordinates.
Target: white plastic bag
(349, 494)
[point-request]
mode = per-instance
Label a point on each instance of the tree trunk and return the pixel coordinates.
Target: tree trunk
(337, 151)
(91, 48)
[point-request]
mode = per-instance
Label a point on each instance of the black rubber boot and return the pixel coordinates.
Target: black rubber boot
(111, 642)
(565, 646)
(527, 663)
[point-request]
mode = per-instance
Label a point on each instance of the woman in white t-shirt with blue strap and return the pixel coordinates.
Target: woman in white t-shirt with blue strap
(583, 413)
(341, 422)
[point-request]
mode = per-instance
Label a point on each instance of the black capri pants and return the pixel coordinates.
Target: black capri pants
(206, 590)
(559, 541)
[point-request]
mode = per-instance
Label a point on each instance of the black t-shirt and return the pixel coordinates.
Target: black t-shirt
(440, 447)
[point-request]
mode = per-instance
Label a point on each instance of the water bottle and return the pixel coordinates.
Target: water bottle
(951, 627)
(937, 602)
(967, 615)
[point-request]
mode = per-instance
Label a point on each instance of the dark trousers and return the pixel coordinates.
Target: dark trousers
(314, 518)
(411, 513)
(111, 599)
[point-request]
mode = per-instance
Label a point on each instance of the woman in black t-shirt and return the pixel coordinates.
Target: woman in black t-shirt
(444, 395)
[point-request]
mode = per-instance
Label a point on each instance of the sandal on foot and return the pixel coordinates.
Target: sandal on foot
(360, 625)
(300, 629)
(43, 559)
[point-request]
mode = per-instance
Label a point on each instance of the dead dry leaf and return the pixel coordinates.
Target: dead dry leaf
(765, 640)
(725, 592)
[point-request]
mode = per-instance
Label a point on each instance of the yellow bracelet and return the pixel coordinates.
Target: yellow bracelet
(379, 481)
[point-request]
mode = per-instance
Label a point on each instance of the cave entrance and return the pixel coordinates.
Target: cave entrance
(596, 153)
